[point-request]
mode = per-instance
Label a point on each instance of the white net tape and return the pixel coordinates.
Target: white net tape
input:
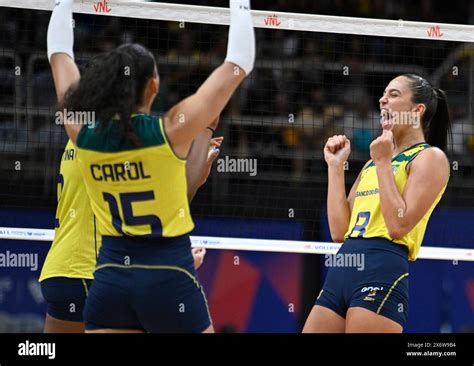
(266, 19)
(258, 245)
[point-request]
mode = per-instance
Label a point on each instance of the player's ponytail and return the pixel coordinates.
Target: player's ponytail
(440, 126)
(112, 87)
(436, 121)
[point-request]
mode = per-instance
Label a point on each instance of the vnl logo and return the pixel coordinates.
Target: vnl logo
(102, 7)
(272, 20)
(435, 32)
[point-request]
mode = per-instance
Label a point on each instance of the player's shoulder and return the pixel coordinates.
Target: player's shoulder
(433, 162)
(431, 156)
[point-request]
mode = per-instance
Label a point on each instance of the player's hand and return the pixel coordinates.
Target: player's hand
(198, 256)
(212, 155)
(382, 149)
(337, 150)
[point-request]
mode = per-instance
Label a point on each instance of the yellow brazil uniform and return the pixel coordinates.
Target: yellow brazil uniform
(76, 242)
(135, 191)
(367, 220)
(145, 268)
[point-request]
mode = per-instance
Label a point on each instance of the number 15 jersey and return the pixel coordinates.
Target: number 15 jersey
(134, 191)
(366, 218)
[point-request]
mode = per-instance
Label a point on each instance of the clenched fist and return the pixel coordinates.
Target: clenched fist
(337, 150)
(382, 149)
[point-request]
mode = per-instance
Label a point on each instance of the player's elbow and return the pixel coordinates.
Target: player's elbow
(337, 236)
(337, 230)
(398, 232)
(395, 234)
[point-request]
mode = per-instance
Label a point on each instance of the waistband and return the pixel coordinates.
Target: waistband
(149, 245)
(359, 245)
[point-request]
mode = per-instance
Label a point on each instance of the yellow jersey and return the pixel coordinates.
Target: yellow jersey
(76, 242)
(366, 218)
(134, 191)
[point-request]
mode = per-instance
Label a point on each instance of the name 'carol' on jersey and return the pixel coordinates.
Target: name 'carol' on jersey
(126, 171)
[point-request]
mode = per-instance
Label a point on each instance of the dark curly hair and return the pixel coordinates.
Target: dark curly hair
(113, 85)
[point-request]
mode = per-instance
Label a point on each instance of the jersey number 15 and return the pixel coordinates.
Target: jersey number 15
(126, 200)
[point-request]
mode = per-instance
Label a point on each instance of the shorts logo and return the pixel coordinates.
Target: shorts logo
(372, 292)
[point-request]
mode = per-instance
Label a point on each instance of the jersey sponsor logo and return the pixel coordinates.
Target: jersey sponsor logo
(369, 192)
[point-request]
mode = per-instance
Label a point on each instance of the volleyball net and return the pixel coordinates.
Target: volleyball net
(257, 245)
(315, 76)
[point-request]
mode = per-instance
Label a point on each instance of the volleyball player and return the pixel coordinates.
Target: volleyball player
(384, 218)
(68, 269)
(134, 170)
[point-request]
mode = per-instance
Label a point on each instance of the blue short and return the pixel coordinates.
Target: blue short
(146, 284)
(66, 297)
(368, 273)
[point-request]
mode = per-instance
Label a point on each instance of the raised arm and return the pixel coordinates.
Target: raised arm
(204, 151)
(428, 175)
(188, 118)
(339, 205)
(61, 56)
